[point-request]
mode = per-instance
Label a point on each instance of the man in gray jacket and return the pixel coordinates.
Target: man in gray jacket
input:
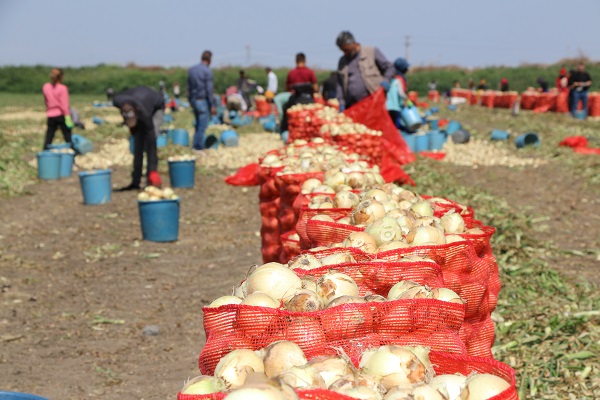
(362, 70)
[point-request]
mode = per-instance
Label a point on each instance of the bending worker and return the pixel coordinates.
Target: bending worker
(142, 109)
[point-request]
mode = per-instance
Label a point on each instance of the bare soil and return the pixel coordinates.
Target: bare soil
(79, 285)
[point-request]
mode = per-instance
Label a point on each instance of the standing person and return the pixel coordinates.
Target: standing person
(504, 85)
(110, 92)
(579, 85)
(543, 85)
(329, 86)
(244, 86)
(396, 97)
(302, 83)
(56, 97)
(200, 92)
(362, 70)
(432, 85)
(272, 81)
(142, 109)
(482, 85)
(471, 84)
(562, 81)
(176, 90)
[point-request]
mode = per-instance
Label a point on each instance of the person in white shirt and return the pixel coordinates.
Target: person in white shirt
(272, 81)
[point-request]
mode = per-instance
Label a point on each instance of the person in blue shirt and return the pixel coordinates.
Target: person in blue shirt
(200, 95)
(396, 96)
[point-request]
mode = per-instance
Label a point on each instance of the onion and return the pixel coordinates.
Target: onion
(454, 239)
(254, 322)
(223, 300)
(235, 366)
(337, 258)
(270, 159)
(322, 217)
(309, 185)
(375, 298)
(425, 236)
(346, 300)
(335, 284)
(390, 206)
(304, 261)
(404, 205)
(390, 187)
(346, 199)
(384, 230)
(304, 301)
(362, 241)
(331, 368)
(307, 333)
(303, 377)
(355, 380)
(399, 288)
(274, 279)
(342, 188)
(376, 194)
(400, 393)
(324, 189)
(483, 386)
(394, 245)
(318, 201)
(143, 196)
(404, 194)
(268, 390)
(337, 179)
(422, 208)
(309, 282)
(425, 391)
(449, 384)
(347, 322)
(344, 221)
(392, 366)
(423, 353)
(203, 385)
(361, 392)
(260, 299)
(447, 295)
(356, 180)
(282, 355)
(475, 231)
(453, 222)
(368, 211)
(419, 292)
(240, 290)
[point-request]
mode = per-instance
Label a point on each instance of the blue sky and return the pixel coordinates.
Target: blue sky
(470, 33)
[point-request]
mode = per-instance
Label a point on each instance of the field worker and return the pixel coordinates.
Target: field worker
(580, 83)
(200, 96)
(482, 85)
(542, 85)
(301, 82)
(396, 96)
(562, 81)
(272, 81)
(328, 90)
(362, 70)
(176, 90)
(142, 109)
(244, 87)
(56, 97)
(504, 85)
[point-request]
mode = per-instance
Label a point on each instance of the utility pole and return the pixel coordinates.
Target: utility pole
(406, 46)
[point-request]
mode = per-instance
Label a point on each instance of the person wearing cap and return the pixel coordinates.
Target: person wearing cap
(362, 70)
(142, 109)
(562, 81)
(504, 85)
(579, 83)
(56, 97)
(201, 98)
(543, 85)
(272, 81)
(396, 96)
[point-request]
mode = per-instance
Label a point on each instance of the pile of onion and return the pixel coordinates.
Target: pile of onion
(152, 193)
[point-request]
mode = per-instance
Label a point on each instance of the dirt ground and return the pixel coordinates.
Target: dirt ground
(79, 285)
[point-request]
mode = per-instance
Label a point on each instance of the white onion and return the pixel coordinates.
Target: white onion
(453, 222)
(346, 199)
(304, 300)
(449, 384)
(274, 279)
(454, 239)
(384, 230)
(260, 299)
(223, 300)
(337, 179)
(324, 189)
(304, 261)
(302, 377)
(368, 211)
(424, 391)
(235, 366)
(331, 368)
(346, 300)
(309, 185)
(425, 236)
(361, 392)
(362, 241)
(475, 231)
(400, 288)
(203, 385)
(400, 393)
(335, 284)
(344, 221)
(376, 194)
(261, 392)
(282, 355)
(483, 386)
(445, 294)
(422, 208)
(309, 282)
(322, 217)
(423, 353)
(337, 258)
(356, 180)
(251, 322)
(394, 245)
(419, 292)
(393, 366)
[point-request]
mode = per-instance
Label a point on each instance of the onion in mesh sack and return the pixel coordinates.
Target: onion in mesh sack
(399, 288)
(304, 300)
(453, 222)
(251, 322)
(349, 322)
(425, 236)
(335, 284)
(309, 185)
(376, 194)
(304, 261)
(237, 365)
(483, 387)
(274, 279)
(280, 356)
(346, 199)
(362, 241)
(223, 300)
(337, 258)
(203, 385)
(302, 377)
(384, 230)
(449, 384)
(393, 366)
(331, 368)
(367, 212)
(259, 387)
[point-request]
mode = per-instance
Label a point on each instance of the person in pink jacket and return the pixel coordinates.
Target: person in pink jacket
(56, 96)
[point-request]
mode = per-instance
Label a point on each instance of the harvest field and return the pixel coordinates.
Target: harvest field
(79, 285)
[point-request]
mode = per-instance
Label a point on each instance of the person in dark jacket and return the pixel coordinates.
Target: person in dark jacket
(504, 85)
(142, 109)
(329, 86)
(543, 85)
(201, 97)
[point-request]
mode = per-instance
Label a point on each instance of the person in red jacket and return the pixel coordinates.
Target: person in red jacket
(562, 81)
(56, 96)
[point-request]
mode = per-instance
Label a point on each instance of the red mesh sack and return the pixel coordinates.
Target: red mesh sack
(594, 104)
(245, 176)
(290, 247)
(263, 107)
(487, 99)
(562, 103)
(475, 98)
(433, 95)
(323, 233)
(369, 146)
(307, 213)
(478, 337)
(413, 96)
(529, 100)
(290, 186)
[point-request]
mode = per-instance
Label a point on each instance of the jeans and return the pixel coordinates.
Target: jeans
(144, 139)
(202, 115)
(583, 96)
(53, 123)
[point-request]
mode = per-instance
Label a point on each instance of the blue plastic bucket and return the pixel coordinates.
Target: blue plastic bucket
(81, 145)
(229, 138)
(285, 136)
(19, 396)
(498, 134)
(97, 120)
(581, 114)
(528, 139)
(452, 127)
(461, 136)
(434, 110)
(411, 140)
(434, 124)
(58, 146)
(436, 140)
(270, 126)
(452, 107)
(182, 173)
(159, 220)
(48, 165)
(421, 142)
(411, 118)
(66, 164)
(167, 118)
(161, 140)
(211, 142)
(131, 144)
(96, 186)
(180, 137)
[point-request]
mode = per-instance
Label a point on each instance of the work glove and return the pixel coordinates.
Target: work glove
(69, 122)
(154, 179)
(385, 85)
